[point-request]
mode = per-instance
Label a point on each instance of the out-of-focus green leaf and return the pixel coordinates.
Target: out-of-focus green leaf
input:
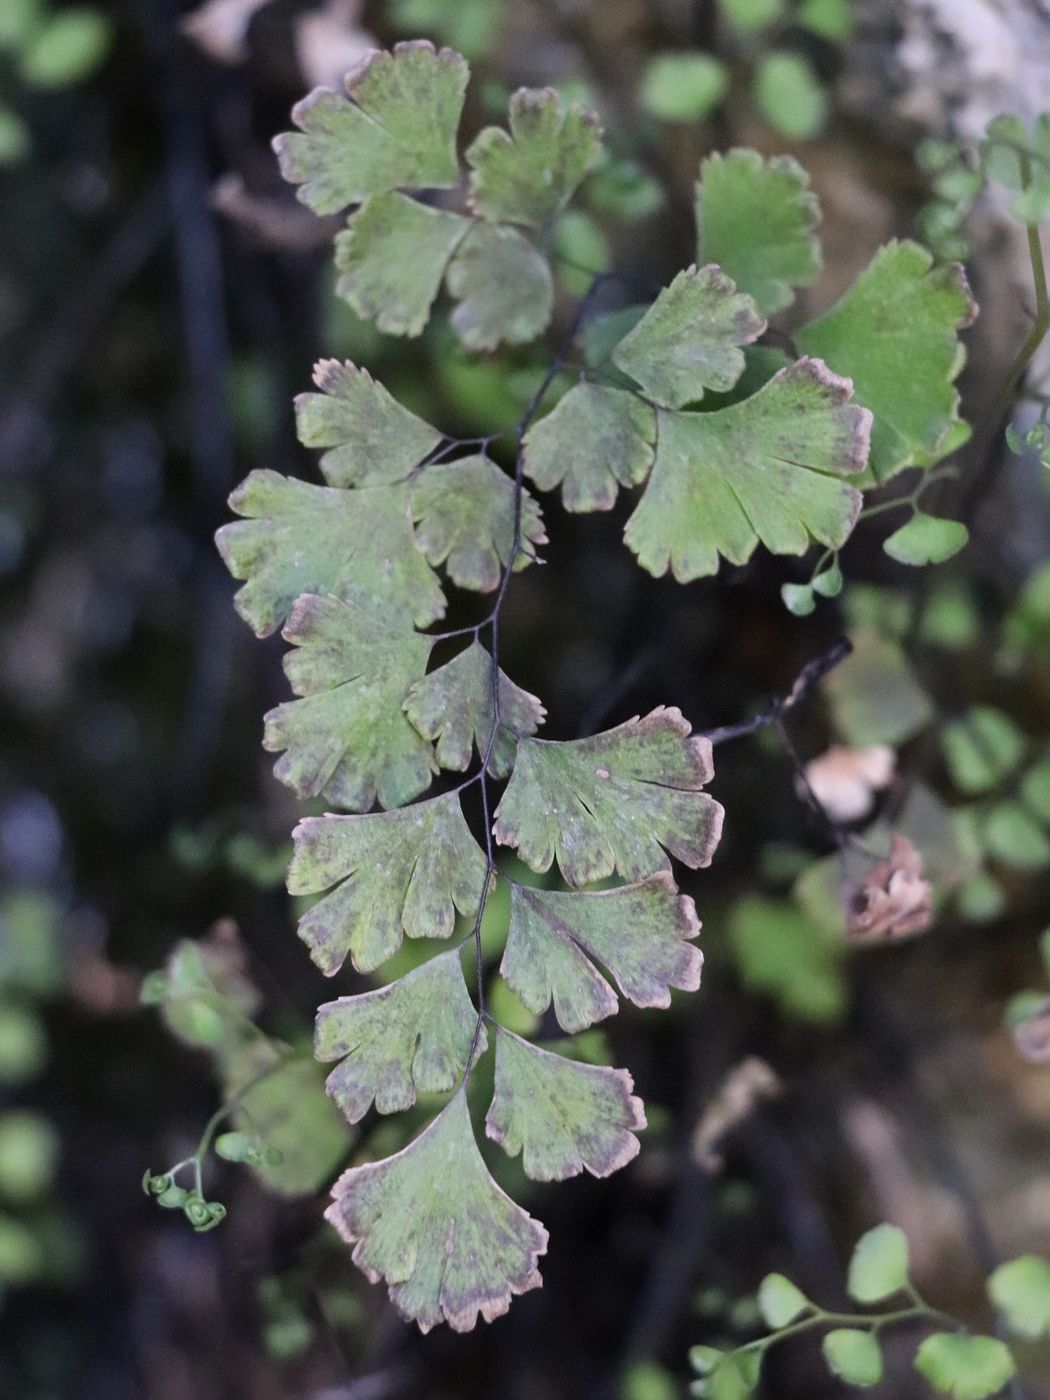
(830, 19)
(879, 1265)
(981, 748)
(968, 1368)
(750, 15)
(780, 1301)
(1015, 838)
(306, 1134)
(65, 48)
(926, 539)
(790, 96)
(1021, 1292)
(875, 698)
(780, 953)
(15, 139)
(682, 86)
(853, 1356)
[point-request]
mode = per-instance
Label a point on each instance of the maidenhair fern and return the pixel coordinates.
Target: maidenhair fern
(732, 444)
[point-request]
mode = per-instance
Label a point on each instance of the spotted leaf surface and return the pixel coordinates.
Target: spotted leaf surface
(464, 514)
(348, 737)
(526, 176)
(370, 438)
(690, 339)
(392, 260)
(562, 1116)
(413, 1036)
(464, 1248)
(299, 538)
(454, 706)
(773, 470)
(390, 874)
(613, 803)
(596, 440)
(896, 335)
(641, 933)
(394, 129)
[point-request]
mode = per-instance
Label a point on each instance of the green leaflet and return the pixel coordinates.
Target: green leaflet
(397, 131)
(503, 286)
(768, 470)
(348, 738)
(879, 1265)
(612, 803)
(371, 439)
(462, 1249)
(981, 748)
(926, 539)
(853, 1355)
(529, 175)
(969, 1368)
(895, 333)
(682, 85)
(790, 95)
(562, 1116)
(288, 1110)
(689, 340)
(757, 220)
(412, 1036)
(405, 871)
(464, 514)
(300, 539)
(875, 697)
(596, 440)
(454, 706)
(780, 1301)
(392, 259)
(1020, 1290)
(642, 933)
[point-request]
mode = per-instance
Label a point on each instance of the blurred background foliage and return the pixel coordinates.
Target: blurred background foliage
(162, 297)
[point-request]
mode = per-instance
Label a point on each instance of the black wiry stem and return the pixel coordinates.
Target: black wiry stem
(492, 622)
(810, 676)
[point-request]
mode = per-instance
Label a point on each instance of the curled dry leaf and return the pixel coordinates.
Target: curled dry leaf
(278, 223)
(1032, 1033)
(745, 1087)
(220, 27)
(845, 780)
(329, 42)
(894, 900)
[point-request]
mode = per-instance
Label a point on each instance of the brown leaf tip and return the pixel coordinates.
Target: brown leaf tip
(894, 901)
